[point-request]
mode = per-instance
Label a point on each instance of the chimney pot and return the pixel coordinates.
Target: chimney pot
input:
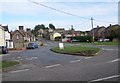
(21, 27)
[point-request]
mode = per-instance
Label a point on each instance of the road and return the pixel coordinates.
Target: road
(43, 65)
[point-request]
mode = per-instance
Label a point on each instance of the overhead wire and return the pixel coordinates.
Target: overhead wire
(67, 12)
(58, 10)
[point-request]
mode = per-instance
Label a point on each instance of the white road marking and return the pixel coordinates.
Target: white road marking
(19, 71)
(105, 78)
(74, 61)
(113, 61)
(52, 66)
(4, 54)
(88, 57)
(19, 57)
(31, 58)
(17, 60)
(34, 57)
(108, 49)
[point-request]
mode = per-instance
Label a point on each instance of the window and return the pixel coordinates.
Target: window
(10, 44)
(17, 36)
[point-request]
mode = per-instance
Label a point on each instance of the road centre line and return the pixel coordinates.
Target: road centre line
(108, 49)
(105, 78)
(88, 57)
(74, 61)
(113, 61)
(31, 58)
(19, 71)
(52, 66)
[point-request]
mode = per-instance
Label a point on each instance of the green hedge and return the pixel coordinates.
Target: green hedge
(83, 38)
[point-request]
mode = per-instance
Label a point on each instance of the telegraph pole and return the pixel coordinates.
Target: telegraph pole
(92, 30)
(72, 32)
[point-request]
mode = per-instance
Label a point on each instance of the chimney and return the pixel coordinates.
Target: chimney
(97, 26)
(28, 29)
(110, 25)
(21, 27)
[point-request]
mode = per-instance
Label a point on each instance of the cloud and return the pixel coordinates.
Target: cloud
(41, 15)
(61, 0)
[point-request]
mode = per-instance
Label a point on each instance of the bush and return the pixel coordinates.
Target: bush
(83, 38)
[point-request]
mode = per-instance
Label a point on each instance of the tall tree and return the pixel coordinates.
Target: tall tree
(52, 26)
(38, 27)
(115, 31)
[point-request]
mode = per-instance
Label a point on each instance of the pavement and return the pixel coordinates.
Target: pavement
(43, 65)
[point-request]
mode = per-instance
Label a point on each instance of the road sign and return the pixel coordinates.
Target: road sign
(61, 46)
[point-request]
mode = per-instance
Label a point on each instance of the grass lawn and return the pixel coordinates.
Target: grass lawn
(107, 43)
(5, 64)
(77, 50)
(97, 43)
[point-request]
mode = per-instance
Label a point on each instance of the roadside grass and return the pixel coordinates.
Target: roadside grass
(77, 50)
(96, 43)
(5, 64)
(107, 43)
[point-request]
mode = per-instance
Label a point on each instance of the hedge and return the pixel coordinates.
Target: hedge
(83, 38)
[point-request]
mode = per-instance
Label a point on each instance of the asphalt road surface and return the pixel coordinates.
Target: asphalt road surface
(43, 65)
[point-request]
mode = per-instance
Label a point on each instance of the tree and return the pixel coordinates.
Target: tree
(52, 26)
(38, 27)
(35, 33)
(115, 32)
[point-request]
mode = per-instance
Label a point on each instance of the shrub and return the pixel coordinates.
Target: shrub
(83, 38)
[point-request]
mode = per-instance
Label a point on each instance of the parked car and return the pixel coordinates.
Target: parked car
(75, 40)
(103, 40)
(66, 40)
(3, 49)
(32, 45)
(106, 40)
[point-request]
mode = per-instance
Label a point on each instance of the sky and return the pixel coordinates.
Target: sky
(15, 13)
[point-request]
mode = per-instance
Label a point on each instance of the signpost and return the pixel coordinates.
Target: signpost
(61, 46)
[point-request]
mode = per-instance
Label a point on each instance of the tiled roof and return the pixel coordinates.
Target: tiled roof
(6, 28)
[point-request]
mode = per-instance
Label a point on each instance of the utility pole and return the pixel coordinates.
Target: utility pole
(92, 30)
(72, 30)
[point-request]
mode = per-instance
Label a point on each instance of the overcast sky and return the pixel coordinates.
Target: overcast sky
(22, 12)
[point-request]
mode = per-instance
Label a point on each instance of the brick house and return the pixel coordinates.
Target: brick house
(99, 32)
(107, 30)
(21, 37)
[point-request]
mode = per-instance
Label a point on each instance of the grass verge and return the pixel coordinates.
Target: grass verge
(77, 50)
(107, 43)
(5, 64)
(96, 43)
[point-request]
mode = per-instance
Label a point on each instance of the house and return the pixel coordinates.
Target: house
(40, 32)
(21, 37)
(77, 33)
(69, 33)
(2, 36)
(99, 32)
(84, 33)
(54, 35)
(107, 30)
(8, 41)
(60, 30)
